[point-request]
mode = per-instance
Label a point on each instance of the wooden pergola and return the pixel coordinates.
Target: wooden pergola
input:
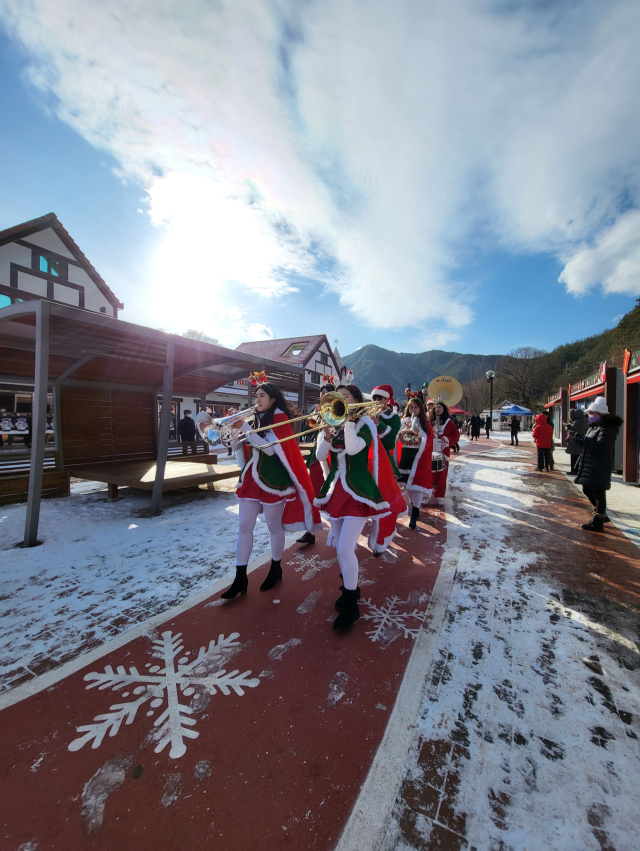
(105, 376)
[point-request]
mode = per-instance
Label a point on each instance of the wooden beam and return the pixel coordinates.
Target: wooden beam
(39, 424)
(163, 436)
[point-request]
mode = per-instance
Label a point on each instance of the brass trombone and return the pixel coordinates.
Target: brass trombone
(334, 410)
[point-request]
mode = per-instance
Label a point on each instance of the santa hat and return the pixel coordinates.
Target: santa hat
(385, 390)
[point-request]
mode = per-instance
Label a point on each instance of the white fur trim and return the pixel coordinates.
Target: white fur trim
(252, 464)
(386, 416)
(380, 392)
(302, 496)
(385, 432)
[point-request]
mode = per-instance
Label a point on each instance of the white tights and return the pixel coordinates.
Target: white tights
(345, 532)
(249, 511)
(415, 496)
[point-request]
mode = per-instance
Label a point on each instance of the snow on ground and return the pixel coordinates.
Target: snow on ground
(520, 745)
(102, 568)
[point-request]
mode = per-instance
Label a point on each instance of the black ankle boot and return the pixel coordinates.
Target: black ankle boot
(350, 612)
(595, 524)
(239, 584)
(273, 577)
(341, 601)
(307, 538)
(415, 514)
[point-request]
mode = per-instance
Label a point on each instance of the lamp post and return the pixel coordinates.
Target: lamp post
(490, 376)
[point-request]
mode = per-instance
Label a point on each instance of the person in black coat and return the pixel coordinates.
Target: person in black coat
(577, 427)
(187, 432)
(476, 425)
(515, 430)
(595, 463)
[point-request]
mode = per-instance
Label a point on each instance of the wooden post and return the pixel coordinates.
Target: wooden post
(630, 430)
(203, 407)
(163, 433)
(38, 424)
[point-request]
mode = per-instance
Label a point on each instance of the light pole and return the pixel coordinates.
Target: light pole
(490, 376)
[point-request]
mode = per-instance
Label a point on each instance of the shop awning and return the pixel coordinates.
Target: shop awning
(595, 390)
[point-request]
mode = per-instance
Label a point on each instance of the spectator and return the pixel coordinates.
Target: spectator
(187, 432)
(543, 438)
(476, 425)
(487, 426)
(595, 463)
(577, 427)
(515, 430)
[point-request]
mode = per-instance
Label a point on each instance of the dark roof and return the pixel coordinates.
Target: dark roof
(274, 349)
(52, 221)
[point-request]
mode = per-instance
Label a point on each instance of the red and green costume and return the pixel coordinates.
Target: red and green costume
(388, 428)
(271, 478)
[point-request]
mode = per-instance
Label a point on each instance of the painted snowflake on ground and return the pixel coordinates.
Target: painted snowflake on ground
(160, 686)
(390, 621)
(311, 565)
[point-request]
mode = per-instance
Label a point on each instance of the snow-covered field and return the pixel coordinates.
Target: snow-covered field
(102, 568)
(520, 744)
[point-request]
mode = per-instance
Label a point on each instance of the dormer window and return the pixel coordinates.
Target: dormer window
(295, 349)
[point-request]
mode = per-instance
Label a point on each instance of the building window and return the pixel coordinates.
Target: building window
(324, 358)
(315, 378)
(45, 263)
(295, 349)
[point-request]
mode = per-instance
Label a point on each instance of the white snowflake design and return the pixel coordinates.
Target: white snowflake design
(311, 564)
(390, 621)
(173, 726)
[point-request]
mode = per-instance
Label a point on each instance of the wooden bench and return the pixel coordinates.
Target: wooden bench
(16, 488)
(141, 474)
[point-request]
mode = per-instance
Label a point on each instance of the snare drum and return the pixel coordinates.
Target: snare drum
(438, 462)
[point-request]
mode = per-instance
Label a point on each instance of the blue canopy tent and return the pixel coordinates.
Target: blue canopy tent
(515, 411)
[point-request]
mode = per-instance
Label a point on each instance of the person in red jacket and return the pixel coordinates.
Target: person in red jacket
(543, 438)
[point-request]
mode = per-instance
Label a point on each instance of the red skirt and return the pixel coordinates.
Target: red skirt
(249, 489)
(316, 474)
(342, 504)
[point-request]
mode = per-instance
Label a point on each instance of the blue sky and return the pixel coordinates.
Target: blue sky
(416, 177)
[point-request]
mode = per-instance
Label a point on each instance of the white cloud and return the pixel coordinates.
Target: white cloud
(613, 261)
(391, 137)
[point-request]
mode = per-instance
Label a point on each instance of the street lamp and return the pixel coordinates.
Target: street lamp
(490, 376)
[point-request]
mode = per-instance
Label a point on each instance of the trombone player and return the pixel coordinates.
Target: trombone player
(318, 470)
(274, 481)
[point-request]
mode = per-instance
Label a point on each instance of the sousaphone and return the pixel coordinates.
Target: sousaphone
(445, 389)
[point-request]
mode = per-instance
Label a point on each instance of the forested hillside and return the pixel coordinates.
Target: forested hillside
(373, 365)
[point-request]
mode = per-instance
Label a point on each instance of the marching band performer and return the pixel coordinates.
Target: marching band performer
(274, 480)
(447, 433)
(415, 458)
(318, 470)
(389, 423)
(350, 496)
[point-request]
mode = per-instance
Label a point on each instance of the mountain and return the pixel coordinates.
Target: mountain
(373, 365)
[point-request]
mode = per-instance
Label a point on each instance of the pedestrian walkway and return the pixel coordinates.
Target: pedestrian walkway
(488, 698)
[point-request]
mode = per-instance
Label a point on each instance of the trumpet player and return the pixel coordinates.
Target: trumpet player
(318, 470)
(350, 496)
(274, 481)
(416, 448)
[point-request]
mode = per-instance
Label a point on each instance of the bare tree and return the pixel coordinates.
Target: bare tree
(192, 334)
(476, 392)
(523, 375)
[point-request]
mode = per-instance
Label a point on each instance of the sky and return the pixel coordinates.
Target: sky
(414, 174)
